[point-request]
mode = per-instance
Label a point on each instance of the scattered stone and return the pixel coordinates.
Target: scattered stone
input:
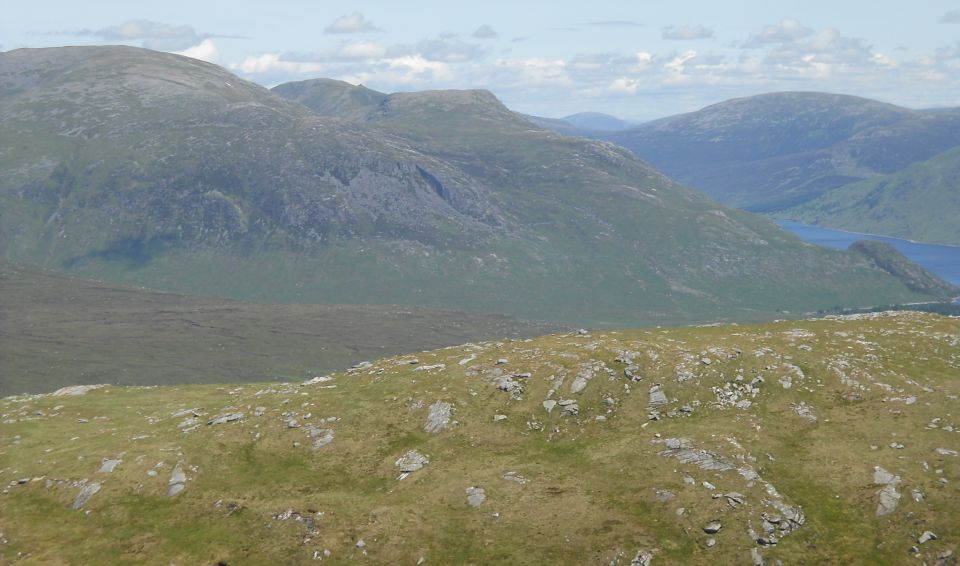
(549, 404)
(682, 449)
(514, 477)
(361, 543)
(712, 528)
(108, 466)
(927, 536)
(86, 492)
(501, 361)
(476, 496)
(917, 495)
(756, 558)
(226, 418)
(710, 542)
(75, 390)
(177, 483)
(438, 417)
(499, 418)
(946, 452)
(657, 396)
(318, 379)
(664, 495)
(320, 437)
(411, 462)
(430, 367)
(889, 497)
(643, 558)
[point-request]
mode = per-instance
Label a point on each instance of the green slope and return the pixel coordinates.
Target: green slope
(779, 432)
(161, 171)
(921, 203)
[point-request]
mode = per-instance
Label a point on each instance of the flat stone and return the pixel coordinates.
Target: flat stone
(108, 466)
(643, 558)
(75, 390)
(225, 418)
(549, 404)
(86, 492)
(476, 496)
(712, 528)
(177, 483)
(514, 477)
(438, 418)
(411, 461)
(320, 437)
(657, 396)
(927, 536)
(946, 452)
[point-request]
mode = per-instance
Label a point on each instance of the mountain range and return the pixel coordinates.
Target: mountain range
(158, 170)
(773, 151)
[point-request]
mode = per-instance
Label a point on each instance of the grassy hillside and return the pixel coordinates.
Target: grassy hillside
(920, 203)
(57, 331)
(772, 151)
(825, 442)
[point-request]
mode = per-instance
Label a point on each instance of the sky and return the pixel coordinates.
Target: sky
(637, 60)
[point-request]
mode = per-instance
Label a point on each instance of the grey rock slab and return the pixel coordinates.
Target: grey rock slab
(75, 390)
(108, 466)
(514, 477)
(411, 462)
(476, 496)
(549, 404)
(578, 385)
(320, 437)
(946, 452)
(712, 528)
(657, 396)
(86, 492)
(438, 417)
(889, 498)
(756, 558)
(225, 418)
(177, 483)
(927, 536)
(643, 558)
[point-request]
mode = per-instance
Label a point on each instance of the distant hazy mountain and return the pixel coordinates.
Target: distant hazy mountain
(598, 122)
(921, 202)
(773, 151)
(164, 171)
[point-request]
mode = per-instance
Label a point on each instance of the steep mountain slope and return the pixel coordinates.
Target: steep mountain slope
(821, 442)
(772, 151)
(888, 258)
(57, 330)
(159, 170)
(921, 202)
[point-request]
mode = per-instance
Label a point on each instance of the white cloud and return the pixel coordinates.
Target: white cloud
(485, 32)
(205, 51)
(534, 72)
(685, 33)
(362, 50)
(787, 31)
(951, 17)
(624, 85)
(351, 23)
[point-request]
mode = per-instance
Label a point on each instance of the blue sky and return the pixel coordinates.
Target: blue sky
(639, 59)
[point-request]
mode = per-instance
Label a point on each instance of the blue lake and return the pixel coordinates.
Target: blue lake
(938, 258)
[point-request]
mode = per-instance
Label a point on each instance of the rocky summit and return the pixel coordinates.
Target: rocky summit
(824, 441)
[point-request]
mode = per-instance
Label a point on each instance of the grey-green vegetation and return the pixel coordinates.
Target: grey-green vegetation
(156, 170)
(57, 330)
(832, 441)
(773, 151)
(921, 202)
